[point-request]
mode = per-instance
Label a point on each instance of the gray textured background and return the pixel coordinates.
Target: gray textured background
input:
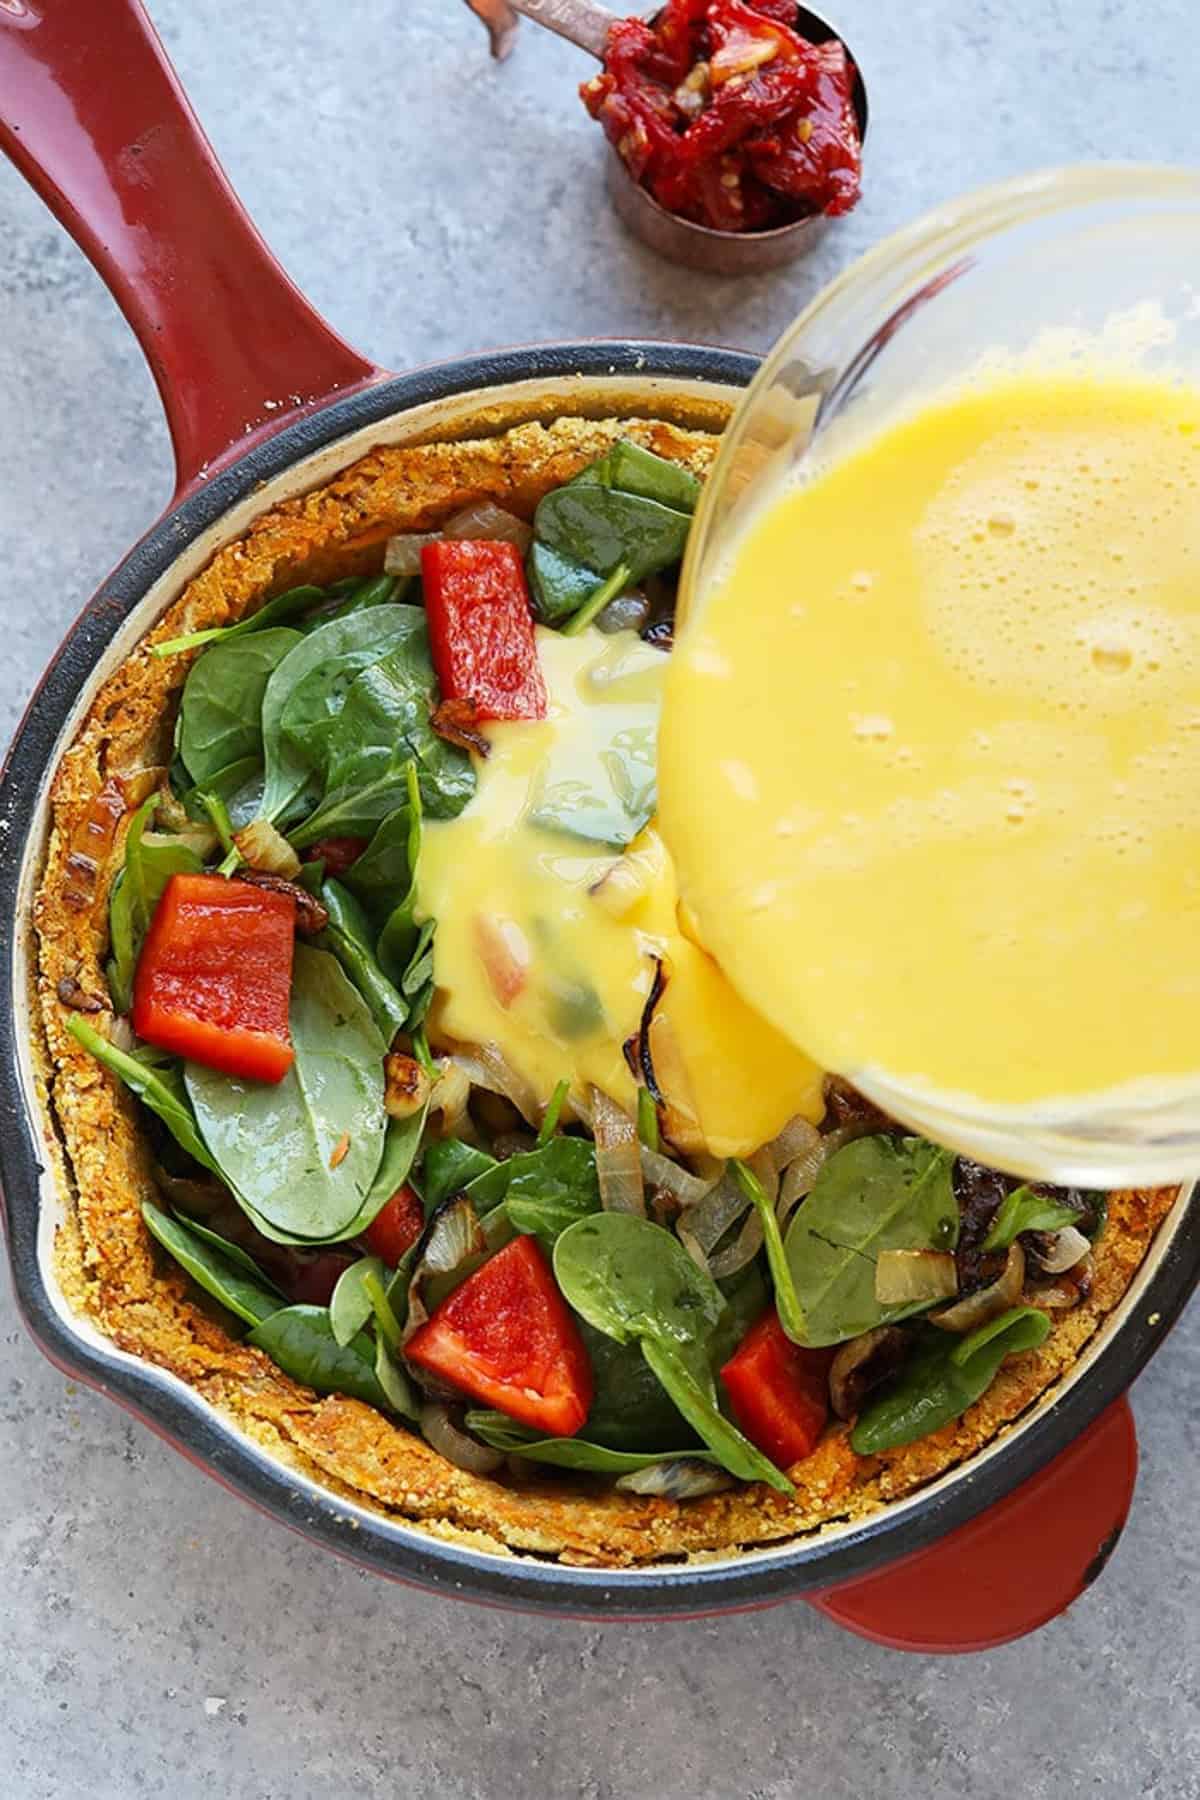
(158, 1637)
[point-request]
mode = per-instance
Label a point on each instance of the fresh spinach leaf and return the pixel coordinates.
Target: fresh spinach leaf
(275, 1143)
(634, 1280)
(239, 786)
(558, 586)
(1023, 1210)
(787, 1302)
(400, 1147)
(311, 711)
(250, 1300)
(350, 1306)
(449, 1167)
(401, 1395)
(376, 590)
(300, 1340)
(384, 725)
(158, 1087)
(877, 1193)
(502, 1433)
(605, 529)
(348, 935)
(283, 607)
(685, 1374)
(942, 1378)
(631, 1278)
(221, 713)
(417, 973)
(382, 875)
(544, 1190)
(630, 1409)
(637, 471)
(615, 801)
(150, 861)
(747, 1297)
(227, 1248)
(335, 650)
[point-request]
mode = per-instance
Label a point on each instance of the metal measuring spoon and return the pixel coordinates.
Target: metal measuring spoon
(587, 24)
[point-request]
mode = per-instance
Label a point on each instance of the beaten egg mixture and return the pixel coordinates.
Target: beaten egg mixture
(943, 708)
(549, 933)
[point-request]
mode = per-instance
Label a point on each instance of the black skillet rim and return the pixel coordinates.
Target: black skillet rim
(405, 1553)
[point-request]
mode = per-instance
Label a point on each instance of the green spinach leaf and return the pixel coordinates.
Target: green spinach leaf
(558, 586)
(221, 713)
(1023, 1210)
(384, 725)
(545, 1190)
(351, 1306)
(150, 861)
(300, 1340)
(502, 1433)
(348, 935)
(634, 1280)
(274, 1143)
(631, 1278)
(227, 1248)
(942, 1378)
(630, 1409)
(634, 470)
(449, 1167)
(334, 652)
(382, 876)
(282, 608)
(877, 1193)
(605, 529)
(250, 1299)
(160, 1087)
(239, 786)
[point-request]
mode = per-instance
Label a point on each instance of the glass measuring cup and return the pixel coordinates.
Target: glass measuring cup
(1062, 261)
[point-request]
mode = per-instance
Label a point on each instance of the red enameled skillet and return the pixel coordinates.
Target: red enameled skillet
(263, 400)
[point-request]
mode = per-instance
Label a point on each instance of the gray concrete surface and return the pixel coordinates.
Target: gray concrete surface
(158, 1637)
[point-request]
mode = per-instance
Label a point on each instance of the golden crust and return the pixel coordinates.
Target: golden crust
(107, 1263)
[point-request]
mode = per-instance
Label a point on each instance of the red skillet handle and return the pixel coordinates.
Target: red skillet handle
(1012, 1569)
(94, 117)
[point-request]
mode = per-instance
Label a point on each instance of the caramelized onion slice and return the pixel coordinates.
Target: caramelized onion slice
(618, 1163)
(443, 1435)
(487, 523)
(904, 1276)
(989, 1302)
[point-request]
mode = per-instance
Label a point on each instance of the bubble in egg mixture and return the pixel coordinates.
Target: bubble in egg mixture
(1077, 580)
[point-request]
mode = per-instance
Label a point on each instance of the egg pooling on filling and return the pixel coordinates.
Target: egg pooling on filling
(553, 918)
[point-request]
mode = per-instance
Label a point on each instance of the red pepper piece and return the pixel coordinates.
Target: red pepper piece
(779, 1392)
(396, 1227)
(338, 854)
(215, 975)
(506, 1337)
(481, 628)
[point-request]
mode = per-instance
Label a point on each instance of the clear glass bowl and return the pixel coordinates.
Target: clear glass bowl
(1101, 252)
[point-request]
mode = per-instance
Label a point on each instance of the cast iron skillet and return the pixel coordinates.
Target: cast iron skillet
(262, 398)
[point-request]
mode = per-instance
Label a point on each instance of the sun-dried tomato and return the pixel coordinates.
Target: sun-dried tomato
(728, 116)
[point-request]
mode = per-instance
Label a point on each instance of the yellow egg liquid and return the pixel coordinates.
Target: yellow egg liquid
(548, 941)
(929, 761)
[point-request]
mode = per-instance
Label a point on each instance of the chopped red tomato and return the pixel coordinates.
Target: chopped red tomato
(779, 1392)
(728, 115)
(481, 628)
(506, 1337)
(338, 854)
(215, 974)
(397, 1226)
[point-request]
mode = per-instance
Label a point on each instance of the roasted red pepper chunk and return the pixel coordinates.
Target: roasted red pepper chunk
(396, 1227)
(779, 1392)
(214, 978)
(481, 628)
(506, 1337)
(728, 116)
